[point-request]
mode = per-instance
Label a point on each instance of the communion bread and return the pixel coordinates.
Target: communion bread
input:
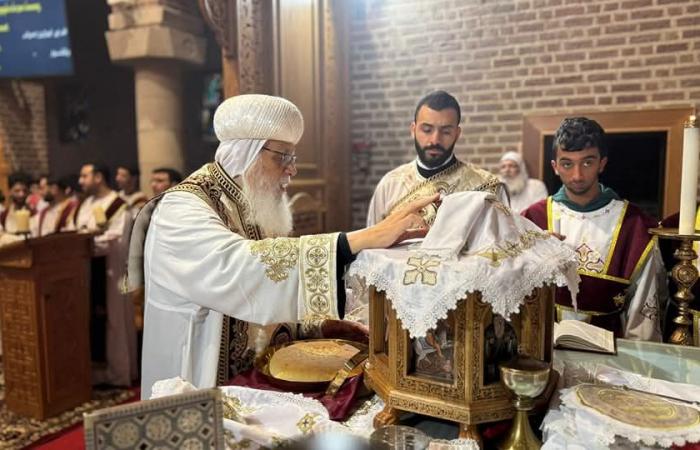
(310, 361)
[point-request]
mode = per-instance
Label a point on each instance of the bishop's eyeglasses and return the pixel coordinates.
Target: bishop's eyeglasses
(286, 159)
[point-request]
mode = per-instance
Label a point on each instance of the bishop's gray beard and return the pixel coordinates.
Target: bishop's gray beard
(269, 207)
(516, 184)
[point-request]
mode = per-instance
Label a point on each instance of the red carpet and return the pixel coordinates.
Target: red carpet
(72, 439)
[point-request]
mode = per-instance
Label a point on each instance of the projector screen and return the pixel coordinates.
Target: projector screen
(34, 39)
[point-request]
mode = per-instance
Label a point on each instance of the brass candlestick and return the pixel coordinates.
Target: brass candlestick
(685, 274)
(526, 378)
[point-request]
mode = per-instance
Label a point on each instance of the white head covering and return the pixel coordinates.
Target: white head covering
(243, 123)
(518, 158)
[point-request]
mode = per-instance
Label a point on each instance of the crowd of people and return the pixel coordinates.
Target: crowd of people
(214, 250)
(53, 200)
(88, 203)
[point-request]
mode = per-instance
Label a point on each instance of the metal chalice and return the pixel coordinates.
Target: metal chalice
(526, 378)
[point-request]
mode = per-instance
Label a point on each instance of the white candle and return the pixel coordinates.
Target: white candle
(21, 221)
(689, 177)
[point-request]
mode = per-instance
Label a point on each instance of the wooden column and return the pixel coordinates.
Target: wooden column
(158, 39)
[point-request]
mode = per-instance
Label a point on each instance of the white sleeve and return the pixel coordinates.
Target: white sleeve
(191, 257)
(647, 297)
(377, 205)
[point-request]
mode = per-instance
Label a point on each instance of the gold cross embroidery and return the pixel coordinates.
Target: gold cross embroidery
(422, 265)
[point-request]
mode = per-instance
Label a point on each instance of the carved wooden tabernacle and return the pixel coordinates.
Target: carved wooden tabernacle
(460, 381)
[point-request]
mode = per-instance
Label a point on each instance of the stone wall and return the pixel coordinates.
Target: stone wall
(506, 58)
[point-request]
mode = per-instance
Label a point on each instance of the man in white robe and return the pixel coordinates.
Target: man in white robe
(163, 178)
(523, 190)
(58, 214)
(214, 260)
(19, 192)
(127, 180)
(623, 281)
(435, 131)
(105, 213)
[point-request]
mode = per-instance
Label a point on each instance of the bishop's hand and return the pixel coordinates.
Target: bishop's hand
(404, 223)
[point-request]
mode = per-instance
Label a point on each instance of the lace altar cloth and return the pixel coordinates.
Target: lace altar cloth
(255, 419)
(476, 244)
(604, 415)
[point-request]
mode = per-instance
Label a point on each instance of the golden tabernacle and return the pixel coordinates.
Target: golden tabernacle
(446, 312)
(452, 373)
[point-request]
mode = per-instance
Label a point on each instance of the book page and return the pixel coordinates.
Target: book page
(576, 334)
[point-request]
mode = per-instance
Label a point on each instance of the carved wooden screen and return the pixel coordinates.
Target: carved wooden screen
(310, 69)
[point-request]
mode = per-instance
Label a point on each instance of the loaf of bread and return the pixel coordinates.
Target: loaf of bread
(310, 361)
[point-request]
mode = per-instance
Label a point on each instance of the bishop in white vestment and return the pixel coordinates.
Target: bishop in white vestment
(214, 261)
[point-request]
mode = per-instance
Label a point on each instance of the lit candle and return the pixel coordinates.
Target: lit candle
(21, 221)
(99, 214)
(689, 177)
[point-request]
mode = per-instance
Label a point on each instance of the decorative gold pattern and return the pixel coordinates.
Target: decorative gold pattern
(318, 269)
(306, 423)
(192, 420)
(466, 399)
(311, 327)
(422, 266)
(604, 276)
(589, 260)
(500, 206)
(638, 408)
(202, 184)
(234, 409)
(456, 178)
(510, 249)
(234, 192)
(685, 275)
(280, 255)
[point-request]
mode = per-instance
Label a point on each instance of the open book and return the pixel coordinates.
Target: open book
(576, 335)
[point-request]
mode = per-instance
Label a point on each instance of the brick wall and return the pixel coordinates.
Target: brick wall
(23, 126)
(505, 58)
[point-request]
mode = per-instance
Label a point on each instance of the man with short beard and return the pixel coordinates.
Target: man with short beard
(19, 192)
(623, 282)
(127, 180)
(222, 280)
(113, 335)
(163, 178)
(523, 190)
(435, 131)
(60, 204)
